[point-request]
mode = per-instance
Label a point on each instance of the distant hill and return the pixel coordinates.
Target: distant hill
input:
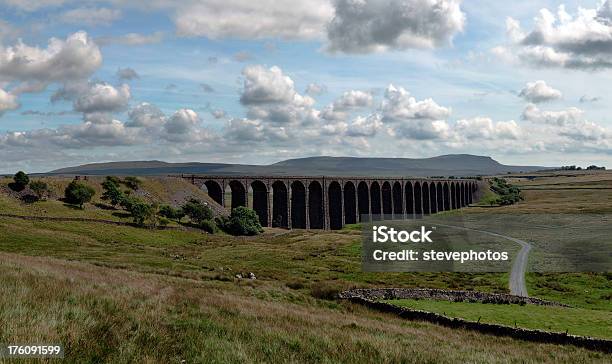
(445, 165)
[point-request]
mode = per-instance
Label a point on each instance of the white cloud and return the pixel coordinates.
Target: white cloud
(8, 101)
(243, 19)
(564, 117)
(315, 89)
(539, 91)
(582, 41)
(484, 128)
(101, 97)
(399, 106)
(263, 85)
(134, 39)
(77, 57)
(145, 115)
(90, 16)
(365, 126)
(364, 26)
(182, 121)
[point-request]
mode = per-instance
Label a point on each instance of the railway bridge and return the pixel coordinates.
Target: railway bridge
(326, 202)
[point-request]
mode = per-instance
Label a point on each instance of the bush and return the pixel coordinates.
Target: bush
(141, 211)
(112, 193)
(40, 188)
(209, 226)
(20, 181)
(132, 182)
(242, 221)
(197, 211)
(171, 213)
(78, 193)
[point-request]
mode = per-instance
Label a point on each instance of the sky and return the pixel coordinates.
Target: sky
(237, 81)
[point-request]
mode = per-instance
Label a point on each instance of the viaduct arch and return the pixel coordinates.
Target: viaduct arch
(301, 202)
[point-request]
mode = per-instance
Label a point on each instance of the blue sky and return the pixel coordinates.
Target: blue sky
(227, 81)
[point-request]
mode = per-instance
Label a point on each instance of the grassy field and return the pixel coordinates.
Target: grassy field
(124, 294)
(576, 321)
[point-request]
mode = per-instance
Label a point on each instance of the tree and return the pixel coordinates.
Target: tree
(141, 211)
(132, 182)
(197, 211)
(112, 193)
(40, 188)
(170, 212)
(21, 180)
(78, 193)
(242, 221)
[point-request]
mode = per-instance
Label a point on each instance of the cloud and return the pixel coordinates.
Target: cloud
(243, 19)
(365, 26)
(581, 41)
(398, 106)
(33, 5)
(218, 114)
(206, 87)
(145, 115)
(539, 91)
(242, 56)
(127, 74)
(102, 97)
(484, 128)
(8, 101)
(365, 126)
(348, 101)
(315, 89)
(586, 98)
(182, 122)
(561, 118)
(75, 58)
(134, 39)
(90, 16)
(263, 85)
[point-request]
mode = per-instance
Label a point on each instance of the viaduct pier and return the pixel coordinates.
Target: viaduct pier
(327, 202)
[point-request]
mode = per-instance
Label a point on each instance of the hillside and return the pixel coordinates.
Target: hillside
(445, 165)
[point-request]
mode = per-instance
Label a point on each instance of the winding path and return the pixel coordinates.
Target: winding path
(516, 281)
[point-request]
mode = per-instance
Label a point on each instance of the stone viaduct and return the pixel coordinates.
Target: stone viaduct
(321, 202)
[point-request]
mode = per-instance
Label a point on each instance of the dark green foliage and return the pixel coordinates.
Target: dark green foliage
(508, 194)
(40, 188)
(112, 193)
(141, 211)
(21, 180)
(132, 182)
(171, 213)
(197, 211)
(209, 226)
(78, 193)
(242, 221)
(114, 179)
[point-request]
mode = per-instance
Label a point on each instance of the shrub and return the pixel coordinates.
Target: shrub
(20, 181)
(78, 193)
(112, 193)
(197, 211)
(40, 188)
(171, 213)
(141, 211)
(209, 226)
(242, 221)
(132, 182)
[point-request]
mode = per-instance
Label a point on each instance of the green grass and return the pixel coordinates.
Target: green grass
(576, 321)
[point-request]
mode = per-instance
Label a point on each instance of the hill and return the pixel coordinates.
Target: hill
(445, 165)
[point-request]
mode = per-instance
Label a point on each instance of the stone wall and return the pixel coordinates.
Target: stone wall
(376, 294)
(369, 297)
